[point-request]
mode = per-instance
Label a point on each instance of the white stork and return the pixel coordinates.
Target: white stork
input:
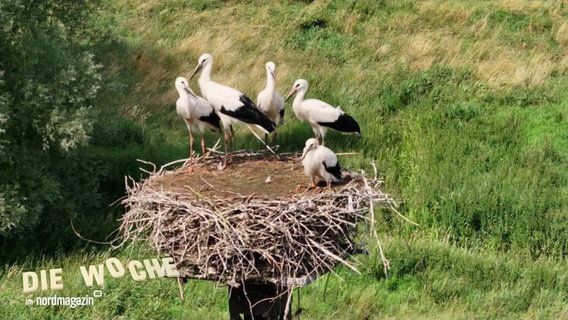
(271, 102)
(320, 114)
(320, 161)
(231, 105)
(196, 112)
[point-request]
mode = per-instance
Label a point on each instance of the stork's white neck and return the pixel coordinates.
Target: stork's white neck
(181, 92)
(270, 81)
(183, 104)
(183, 95)
(298, 99)
(205, 77)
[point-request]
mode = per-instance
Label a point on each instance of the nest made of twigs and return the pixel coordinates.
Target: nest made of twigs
(265, 233)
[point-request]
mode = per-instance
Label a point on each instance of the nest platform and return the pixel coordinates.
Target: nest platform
(246, 223)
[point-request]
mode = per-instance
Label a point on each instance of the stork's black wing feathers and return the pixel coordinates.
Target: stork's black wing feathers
(250, 114)
(335, 170)
(345, 123)
(247, 101)
(213, 119)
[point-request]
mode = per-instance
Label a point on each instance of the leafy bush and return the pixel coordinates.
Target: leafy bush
(65, 148)
(48, 87)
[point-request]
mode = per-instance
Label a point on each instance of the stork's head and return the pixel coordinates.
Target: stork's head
(299, 85)
(204, 60)
(270, 68)
(311, 144)
(181, 83)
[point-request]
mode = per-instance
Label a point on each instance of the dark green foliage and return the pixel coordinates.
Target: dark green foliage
(511, 20)
(202, 5)
(64, 148)
(314, 35)
(426, 87)
(49, 85)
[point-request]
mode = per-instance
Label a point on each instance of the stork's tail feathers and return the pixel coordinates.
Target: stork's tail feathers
(335, 170)
(249, 113)
(259, 117)
(266, 123)
(345, 123)
(213, 120)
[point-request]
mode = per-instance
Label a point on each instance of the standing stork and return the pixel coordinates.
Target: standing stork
(320, 161)
(320, 114)
(271, 102)
(231, 105)
(196, 112)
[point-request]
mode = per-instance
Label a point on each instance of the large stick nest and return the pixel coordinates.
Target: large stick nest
(245, 223)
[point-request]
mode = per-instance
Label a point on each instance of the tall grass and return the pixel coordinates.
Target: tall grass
(465, 162)
(121, 297)
(428, 280)
(461, 104)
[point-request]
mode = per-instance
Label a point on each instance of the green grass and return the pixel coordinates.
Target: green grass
(151, 299)
(428, 279)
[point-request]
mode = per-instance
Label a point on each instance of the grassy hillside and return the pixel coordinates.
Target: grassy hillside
(428, 280)
(461, 103)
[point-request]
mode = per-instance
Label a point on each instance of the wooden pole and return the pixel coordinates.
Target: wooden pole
(258, 302)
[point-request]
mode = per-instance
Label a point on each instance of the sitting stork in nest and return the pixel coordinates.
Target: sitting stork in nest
(319, 161)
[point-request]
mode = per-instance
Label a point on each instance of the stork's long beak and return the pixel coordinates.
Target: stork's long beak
(189, 91)
(292, 92)
(306, 149)
(197, 69)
